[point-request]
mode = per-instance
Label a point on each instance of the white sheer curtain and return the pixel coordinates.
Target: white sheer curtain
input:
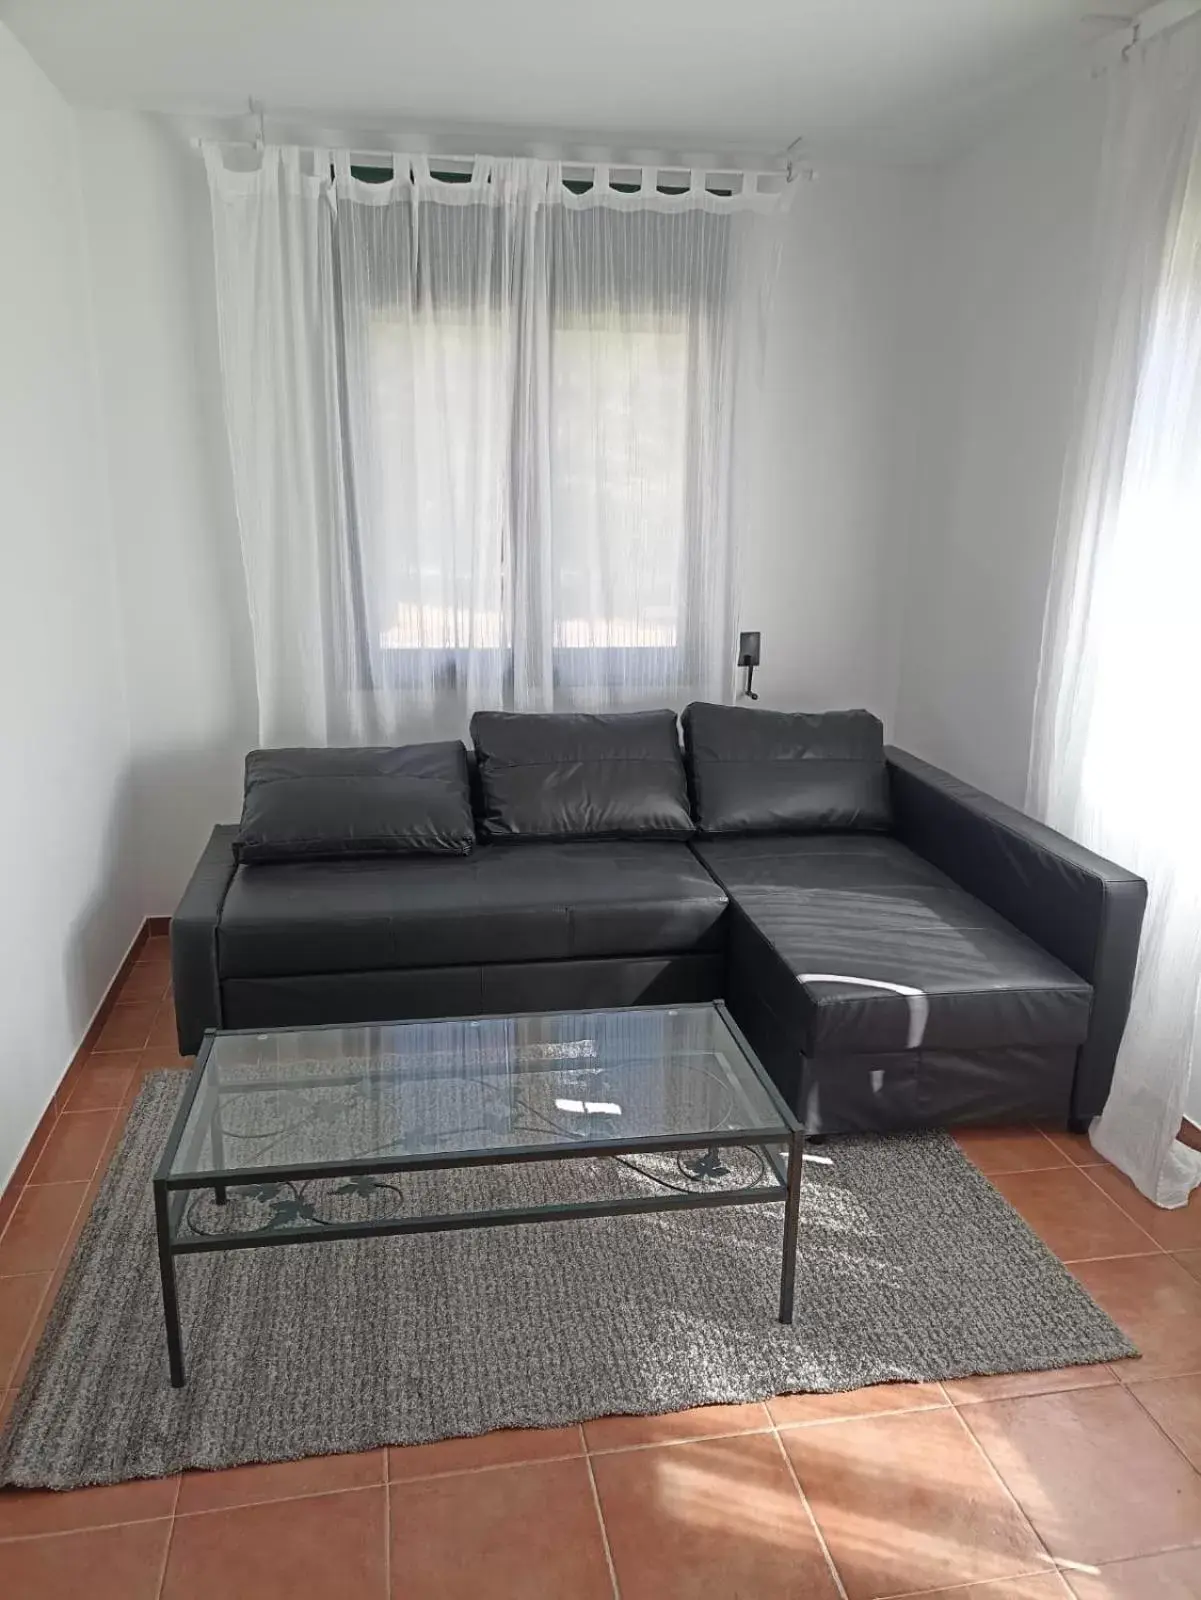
(488, 436)
(1117, 757)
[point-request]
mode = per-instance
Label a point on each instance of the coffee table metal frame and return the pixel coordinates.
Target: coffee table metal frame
(171, 1188)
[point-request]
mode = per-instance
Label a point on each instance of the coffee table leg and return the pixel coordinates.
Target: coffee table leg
(166, 1267)
(792, 1213)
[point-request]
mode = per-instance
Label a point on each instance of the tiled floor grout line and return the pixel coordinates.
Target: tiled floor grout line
(49, 1183)
(7, 1223)
(666, 1444)
(464, 1472)
(57, 1183)
(88, 1182)
(1088, 1174)
(88, 1111)
(38, 1322)
(1021, 1172)
(861, 1416)
(387, 1525)
(1157, 1377)
(162, 1577)
(1126, 1255)
(811, 1514)
(160, 1004)
(975, 1584)
(1126, 1561)
(600, 1519)
(1029, 1394)
(69, 1533)
(996, 1472)
(1179, 1449)
(277, 1499)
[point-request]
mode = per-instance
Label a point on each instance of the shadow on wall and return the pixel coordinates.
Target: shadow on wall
(99, 935)
(193, 703)
(179, 795)
(55, 979)
(163, 809)
(93, 944)
(192, 780)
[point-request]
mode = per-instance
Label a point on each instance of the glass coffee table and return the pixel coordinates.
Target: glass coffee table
(294, 1136)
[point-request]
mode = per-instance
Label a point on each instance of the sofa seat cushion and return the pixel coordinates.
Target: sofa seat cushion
(862, 946)
(535, 902)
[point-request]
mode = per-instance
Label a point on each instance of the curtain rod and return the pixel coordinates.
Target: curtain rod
(462, 164)
(789, 167)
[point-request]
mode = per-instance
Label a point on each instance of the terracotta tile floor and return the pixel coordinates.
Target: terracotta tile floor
(1040, 1486)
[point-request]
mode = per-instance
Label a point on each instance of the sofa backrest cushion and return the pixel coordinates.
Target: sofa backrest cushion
(337, 804)
(581, 776)
(785, 772)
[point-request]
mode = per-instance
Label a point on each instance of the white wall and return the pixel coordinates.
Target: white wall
(826, 559)
(70, 904)
(822, 569)
(1009, 275)
(192, 697)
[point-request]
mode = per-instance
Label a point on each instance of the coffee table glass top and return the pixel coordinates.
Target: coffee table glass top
(415, 1090)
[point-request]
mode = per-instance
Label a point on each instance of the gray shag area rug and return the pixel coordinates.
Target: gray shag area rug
(911, 1266)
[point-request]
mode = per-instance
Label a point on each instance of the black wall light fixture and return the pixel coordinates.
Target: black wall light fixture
(748, 657)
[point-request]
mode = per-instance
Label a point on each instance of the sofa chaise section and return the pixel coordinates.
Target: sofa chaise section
(970, 966)
(1084, 910)
(873, 985)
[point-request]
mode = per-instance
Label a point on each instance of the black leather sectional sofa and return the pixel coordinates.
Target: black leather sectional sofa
(900, 949)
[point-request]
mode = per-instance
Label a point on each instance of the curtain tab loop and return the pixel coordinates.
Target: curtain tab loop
(214, 159)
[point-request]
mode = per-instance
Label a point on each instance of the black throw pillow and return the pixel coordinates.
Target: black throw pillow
(303, 805)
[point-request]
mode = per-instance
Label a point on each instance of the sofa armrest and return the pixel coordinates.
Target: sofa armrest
(194, 973)
(1084, 910)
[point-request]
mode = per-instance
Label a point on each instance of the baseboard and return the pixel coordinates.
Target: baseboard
(151, 927)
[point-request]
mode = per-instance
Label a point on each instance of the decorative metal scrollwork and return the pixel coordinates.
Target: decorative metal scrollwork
(278, 1207)
(286, 1127)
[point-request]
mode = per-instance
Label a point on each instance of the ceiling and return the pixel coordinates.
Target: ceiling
(892, 78)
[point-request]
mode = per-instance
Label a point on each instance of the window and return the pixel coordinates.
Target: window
(530, 400)
(485, 435)
(434, 551)
(618, 470)
(443, 552)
